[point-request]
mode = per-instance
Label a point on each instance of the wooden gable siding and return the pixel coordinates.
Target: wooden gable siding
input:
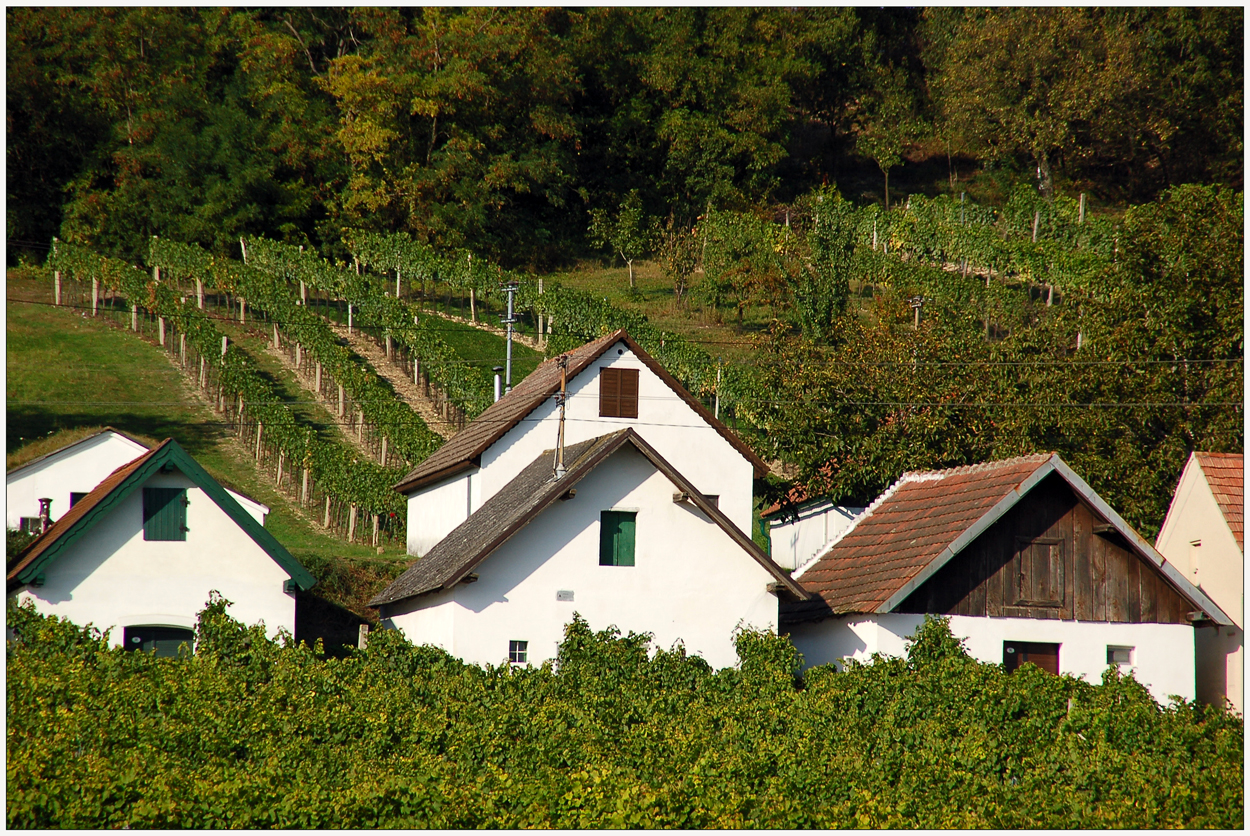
(1043, 559)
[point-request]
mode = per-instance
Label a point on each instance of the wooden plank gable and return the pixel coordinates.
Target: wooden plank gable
(1045, 558)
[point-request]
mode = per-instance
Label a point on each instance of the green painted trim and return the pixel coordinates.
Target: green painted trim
(172, 453)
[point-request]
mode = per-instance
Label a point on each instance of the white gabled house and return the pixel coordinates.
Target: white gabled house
(622, 537)
(68, 474)
(1029, 563)
(611, 384)
(140, 553)
(1203, 537)
(801, 528)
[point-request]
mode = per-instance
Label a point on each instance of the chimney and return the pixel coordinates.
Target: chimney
(45, 514)
(498, 382)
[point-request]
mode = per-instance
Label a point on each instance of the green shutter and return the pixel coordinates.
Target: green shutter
(616, 538)
(164, 514)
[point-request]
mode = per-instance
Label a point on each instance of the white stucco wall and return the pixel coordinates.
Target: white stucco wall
(1163, 658)
(1221, 672)
(434, 511)
(796, 542)
(664, 420)
(113, 578)
(78, 469)
(1196, 539)
(690, 580)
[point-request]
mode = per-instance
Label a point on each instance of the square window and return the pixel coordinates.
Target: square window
(518, 652)
(29, 525)
(618, 393)
(616, 538)
(74, 496)
(164, 514)
(1119, 655)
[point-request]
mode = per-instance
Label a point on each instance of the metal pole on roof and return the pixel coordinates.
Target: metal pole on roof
(563, 363)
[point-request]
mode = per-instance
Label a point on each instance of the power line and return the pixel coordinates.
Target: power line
(750, 345)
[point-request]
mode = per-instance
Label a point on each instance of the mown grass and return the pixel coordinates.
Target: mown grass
(68, 376)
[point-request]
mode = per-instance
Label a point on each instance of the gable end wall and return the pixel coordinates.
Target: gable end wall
(1101, 579)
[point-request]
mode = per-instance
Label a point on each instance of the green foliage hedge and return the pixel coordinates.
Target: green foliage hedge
(252, 733)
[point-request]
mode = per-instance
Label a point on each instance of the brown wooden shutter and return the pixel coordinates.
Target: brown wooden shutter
(609, 393)
(629, 393)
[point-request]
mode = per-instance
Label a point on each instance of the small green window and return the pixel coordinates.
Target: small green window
(616, 538)
(164, 514)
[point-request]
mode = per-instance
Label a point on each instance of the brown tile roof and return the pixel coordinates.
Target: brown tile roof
(463, 450)
(80, 509)
(902, 532)
(1224, 472)
(520, 501)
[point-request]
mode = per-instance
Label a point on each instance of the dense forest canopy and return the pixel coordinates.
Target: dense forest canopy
(502, 129)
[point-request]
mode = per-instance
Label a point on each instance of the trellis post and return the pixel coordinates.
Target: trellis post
(56, 282)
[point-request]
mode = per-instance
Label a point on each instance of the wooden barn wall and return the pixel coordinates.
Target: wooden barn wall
(1042, 559)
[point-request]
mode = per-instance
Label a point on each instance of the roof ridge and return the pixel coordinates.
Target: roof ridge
(976, 467)
(863, 515)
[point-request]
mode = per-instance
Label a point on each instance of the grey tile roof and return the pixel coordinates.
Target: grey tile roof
(520, 501)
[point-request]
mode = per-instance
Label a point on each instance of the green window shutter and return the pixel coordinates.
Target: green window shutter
(164, 514)
(616, 538)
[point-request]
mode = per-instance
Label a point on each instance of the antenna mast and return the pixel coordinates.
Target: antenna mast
(510, 288)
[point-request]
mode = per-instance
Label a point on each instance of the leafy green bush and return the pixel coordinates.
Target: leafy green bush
(249, 732)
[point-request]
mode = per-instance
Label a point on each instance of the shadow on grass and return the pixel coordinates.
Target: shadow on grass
(28, 423)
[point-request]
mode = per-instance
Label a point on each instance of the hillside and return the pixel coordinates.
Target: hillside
(67, 375)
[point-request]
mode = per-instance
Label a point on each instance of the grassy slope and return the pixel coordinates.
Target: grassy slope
(66, 374)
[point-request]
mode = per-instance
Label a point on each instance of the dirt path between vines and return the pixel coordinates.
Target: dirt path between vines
(529, 342)
(407, 391)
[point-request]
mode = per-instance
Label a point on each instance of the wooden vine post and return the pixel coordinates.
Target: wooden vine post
(160, 323)
(56, 285)
(351, 524)
(134, 318)
(375, 529)
(95, 295)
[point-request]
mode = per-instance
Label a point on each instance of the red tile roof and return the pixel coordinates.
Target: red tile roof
(1224, 472)
(79, 510)
(462, 451)
(903, 532)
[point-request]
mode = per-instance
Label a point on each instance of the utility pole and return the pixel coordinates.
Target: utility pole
(510, 288)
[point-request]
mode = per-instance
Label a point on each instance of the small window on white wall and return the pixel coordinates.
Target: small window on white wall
(518, 653)
(1120, 655)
